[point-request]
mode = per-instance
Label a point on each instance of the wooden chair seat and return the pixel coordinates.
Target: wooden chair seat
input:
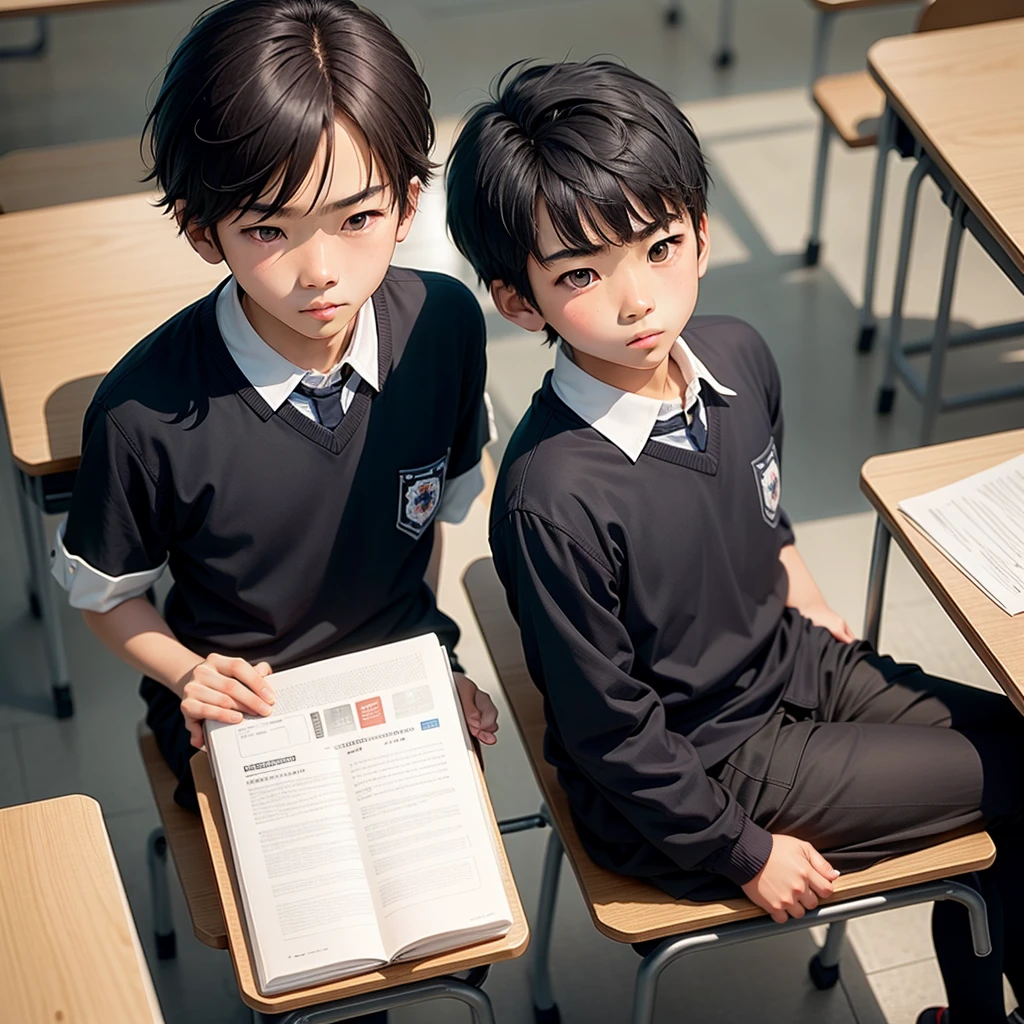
(630, 910)
(187, 843)
(51, 175)
(853, 105)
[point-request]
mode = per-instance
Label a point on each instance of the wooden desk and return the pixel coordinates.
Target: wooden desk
(68, 944)
(80, 284)
(997, 638)
(956, 93)
(507, 948)
(959, 92)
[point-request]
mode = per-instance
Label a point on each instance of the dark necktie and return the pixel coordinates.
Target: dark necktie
(326, 401)
(695, 431)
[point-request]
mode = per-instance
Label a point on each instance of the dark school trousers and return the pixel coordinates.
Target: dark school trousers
(890, 760)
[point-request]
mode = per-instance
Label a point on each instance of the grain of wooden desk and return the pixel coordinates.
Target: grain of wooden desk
(79, 285)
(957, 92)
(997, 638)
(68, 944)
(331, 995)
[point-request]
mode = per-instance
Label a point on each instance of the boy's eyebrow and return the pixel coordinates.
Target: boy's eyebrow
(584, 251)
(367, 193)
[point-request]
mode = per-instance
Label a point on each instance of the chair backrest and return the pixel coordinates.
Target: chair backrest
(937, 14)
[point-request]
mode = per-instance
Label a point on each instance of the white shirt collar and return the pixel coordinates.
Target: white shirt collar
(622, 417)
(275, 377)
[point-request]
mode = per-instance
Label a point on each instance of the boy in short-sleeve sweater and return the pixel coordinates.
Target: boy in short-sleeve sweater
(714, 723)
(285, 445)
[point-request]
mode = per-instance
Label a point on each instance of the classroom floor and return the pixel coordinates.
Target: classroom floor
(759, 129)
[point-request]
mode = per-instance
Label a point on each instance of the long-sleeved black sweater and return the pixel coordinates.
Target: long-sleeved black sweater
(651, 601)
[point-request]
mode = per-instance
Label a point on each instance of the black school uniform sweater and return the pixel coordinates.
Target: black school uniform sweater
(286, 540)
(651, 601)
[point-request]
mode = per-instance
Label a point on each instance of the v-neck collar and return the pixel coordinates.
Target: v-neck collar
(333, 440)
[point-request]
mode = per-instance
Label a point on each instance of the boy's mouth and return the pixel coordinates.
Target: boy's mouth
(321, 312)
(647, 339)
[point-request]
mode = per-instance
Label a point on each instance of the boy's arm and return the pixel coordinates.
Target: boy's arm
(216, 687)
(807, 599)
(612, 724)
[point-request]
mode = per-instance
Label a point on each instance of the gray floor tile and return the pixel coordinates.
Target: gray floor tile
(12, 778)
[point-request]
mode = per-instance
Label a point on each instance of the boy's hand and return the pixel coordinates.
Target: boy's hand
(221, 689)
(795, 877)
(822, 615)
(478, 709)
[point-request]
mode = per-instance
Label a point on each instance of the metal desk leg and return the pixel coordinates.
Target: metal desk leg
(25, 512)
(39, 551)
(886, 141)
(887, 392)
(545, 1011)
(822, 35)
(725, 54)
(940, 339)
(820, 171)
(876, 582)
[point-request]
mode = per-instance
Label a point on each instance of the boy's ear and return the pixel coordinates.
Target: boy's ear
(513, 307)
(201, 239)
(704, 243)
(412, 202)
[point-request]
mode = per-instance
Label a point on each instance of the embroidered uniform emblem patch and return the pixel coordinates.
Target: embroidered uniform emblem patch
(419, 496)
(768, 477)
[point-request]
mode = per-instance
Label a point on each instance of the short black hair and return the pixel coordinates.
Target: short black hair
(603, 147)
(255, 86)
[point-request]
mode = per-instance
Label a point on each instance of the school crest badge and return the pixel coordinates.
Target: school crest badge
(419, 496)
(768, 477)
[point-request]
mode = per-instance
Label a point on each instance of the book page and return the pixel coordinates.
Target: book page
(978, 523)
(308, 904)
(426, 839)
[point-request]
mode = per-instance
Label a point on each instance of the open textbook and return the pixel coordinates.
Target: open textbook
(978, 523)
(357, 819)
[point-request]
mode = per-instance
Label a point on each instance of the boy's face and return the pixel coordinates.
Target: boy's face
(305, 273)
(625, 305)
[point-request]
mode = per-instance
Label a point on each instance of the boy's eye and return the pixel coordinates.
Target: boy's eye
(359, 221)
(262, 233)
(578, 278)
(660, 251)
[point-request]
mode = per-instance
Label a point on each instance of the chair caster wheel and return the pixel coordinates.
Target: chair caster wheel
(867, 338)
(724, 58)
(673, 16)
(548, 1016)
(822, 976)
(34, 606)
(811, 254)
(886, 397)
(166, 946)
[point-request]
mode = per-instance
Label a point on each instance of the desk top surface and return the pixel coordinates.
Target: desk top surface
(997, 638)
(80, 284)
(24, 8)
(68, 943)
(958, 91)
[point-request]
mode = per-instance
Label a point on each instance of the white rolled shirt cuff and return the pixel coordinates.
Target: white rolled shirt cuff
(89, 588)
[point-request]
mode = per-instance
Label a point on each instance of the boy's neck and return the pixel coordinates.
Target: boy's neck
(319, 354)
(664, 382)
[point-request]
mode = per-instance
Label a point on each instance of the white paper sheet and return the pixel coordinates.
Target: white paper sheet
(978, 523)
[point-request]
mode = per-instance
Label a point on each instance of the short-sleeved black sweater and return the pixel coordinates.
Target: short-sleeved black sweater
(286, 540)
(651, 601)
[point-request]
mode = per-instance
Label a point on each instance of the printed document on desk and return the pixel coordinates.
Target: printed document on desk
(357, 821)
(978, 523)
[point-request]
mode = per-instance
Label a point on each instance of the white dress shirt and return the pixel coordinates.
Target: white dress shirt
(627, 419)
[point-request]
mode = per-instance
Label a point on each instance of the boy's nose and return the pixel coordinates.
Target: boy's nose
(318, 269)
(635, 305)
